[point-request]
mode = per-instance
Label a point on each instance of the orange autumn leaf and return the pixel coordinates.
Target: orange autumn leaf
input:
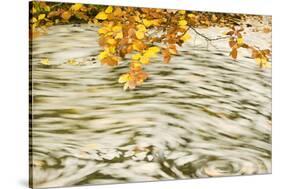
(166, 55)
(66, 15)
(111, 61)
(234, 53)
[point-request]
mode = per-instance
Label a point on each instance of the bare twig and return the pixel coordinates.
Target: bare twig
(207, 38)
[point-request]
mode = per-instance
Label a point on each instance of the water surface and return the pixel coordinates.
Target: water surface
(202, 115)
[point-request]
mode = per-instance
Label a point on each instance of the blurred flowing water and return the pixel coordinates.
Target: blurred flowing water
(202, 115)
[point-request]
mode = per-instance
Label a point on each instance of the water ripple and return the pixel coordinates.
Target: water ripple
(202, 115)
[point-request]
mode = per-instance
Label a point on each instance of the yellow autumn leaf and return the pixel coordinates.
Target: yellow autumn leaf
(267, 65)
(156, 22)
(41, 16)
(45, 61)
(47, 8)
(151, 52)
(126, 86)
(103, 30)
(101, 16)
(137, 18)
(111, 41)
(109, 10)
(103, 55)
(240, 41)
(144, 60)
(124, 78)
(118, 12)
(33, 20)
(138, 45)
(191, 15)
(34, 26)
(154, 49)
(181, 12)
(147, 23)
(182, 23)
(186, 37)
(117, 28)
(33, 10)
(140, 34)
(109, 33)
(136, 56)
(136, 65)
(110, 49)
(261, 60)
(141, 27)
(258, 60)
(119, 35)
(76, 7)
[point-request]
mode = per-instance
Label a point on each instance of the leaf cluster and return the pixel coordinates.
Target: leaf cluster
(141, 34)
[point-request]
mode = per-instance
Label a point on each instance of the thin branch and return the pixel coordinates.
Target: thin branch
(207, 38)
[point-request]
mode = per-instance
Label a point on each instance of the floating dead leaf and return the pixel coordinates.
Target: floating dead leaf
(44, 61)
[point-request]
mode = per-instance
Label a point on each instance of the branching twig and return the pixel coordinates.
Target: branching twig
(207, 38)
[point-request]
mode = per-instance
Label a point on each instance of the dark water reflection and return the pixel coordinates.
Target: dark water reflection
(202, 115)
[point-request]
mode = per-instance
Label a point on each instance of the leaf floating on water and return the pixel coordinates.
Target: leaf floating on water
(44, 61)
(267, 30)
(72, 62)
(38, 163)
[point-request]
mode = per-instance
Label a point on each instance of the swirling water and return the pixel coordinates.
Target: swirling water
(202, 115)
